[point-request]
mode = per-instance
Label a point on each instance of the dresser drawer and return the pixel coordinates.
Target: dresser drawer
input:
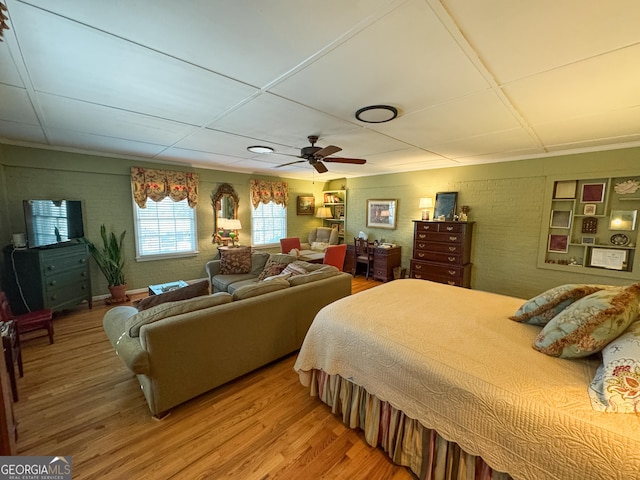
(442, 227)
(446, 258)
(68, 296)
(439, 237)
(52, 264)
(63, 280)
(441, 247)
(453, 275)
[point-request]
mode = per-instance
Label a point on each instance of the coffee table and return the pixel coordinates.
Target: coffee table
(166, 287)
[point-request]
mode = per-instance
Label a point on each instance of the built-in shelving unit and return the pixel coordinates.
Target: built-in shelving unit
(591, 225)
(336, 200)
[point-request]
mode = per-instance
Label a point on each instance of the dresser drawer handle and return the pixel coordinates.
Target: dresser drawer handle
(83, 260)
(420, 254)
(452, 259)
(426, 227)
(421, 245)
(451, 272)
(449, 229)
(422, 235)
(417, 276)
(52, 283)
(453, 239)
(453, 249)
(418, 267)
(450, 282)
(51, 267)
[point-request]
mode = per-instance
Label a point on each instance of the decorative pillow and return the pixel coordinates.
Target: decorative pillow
(319, 246)
(275, 265)
(542, 308)
(589, 324)
(194, 290)
(616, 385)
(325, 271)
(169, 309)
(260, 288)
(235, 261)
(294, 269)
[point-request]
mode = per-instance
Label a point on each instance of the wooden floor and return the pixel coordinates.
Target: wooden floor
(77, 398)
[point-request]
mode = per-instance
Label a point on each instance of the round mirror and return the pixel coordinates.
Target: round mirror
(225, 207)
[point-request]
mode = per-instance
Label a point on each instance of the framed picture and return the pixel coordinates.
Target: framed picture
(623, 220)
(558, 243)
(593, 192)
(306, 206)
(608, 258)
(560, 218)
(382, 213)
(446, 203)
(338, 212)
(587, 240)
(566, 189)
(590, 209)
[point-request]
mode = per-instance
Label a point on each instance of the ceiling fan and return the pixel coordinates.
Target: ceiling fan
(316, 155)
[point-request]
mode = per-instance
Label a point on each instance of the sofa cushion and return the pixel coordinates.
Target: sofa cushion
(589, 324)
(325, 271)
(235, 261)
(242, 283)
(275, 265)
(194, 290)
(258, 261)
(169, 309)
(260, 288)
(294, 269)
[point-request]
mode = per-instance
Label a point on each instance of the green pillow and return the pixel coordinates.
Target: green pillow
(589, 324)
(542, 308)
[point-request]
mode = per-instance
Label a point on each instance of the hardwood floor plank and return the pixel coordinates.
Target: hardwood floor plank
(77, 398)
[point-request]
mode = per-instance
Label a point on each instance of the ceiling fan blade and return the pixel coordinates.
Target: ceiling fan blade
(319, 166)
(290, 163)
(356, 161)
(326, 151)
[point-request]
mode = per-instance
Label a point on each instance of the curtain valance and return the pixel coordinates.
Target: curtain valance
(266, 191)
(158, 184)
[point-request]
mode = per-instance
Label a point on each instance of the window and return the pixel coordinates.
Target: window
(165, 228)
(268, 224)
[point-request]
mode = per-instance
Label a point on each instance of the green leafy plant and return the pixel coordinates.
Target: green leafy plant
(110, 258)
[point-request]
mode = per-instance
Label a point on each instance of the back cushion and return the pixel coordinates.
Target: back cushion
(275, 265)
(260, 288)
(235, 261)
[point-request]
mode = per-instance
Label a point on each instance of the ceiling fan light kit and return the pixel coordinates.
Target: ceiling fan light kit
(260, 149)
(377, 113)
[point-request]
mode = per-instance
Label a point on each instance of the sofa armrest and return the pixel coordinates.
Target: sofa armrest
(213, 268)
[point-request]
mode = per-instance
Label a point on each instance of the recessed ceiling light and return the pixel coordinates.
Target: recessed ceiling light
(260, 149)
(377, 113)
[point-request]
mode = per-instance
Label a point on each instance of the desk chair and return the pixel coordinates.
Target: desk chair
(334, 255)
(288, 244)
(27, 322)
(364, 254)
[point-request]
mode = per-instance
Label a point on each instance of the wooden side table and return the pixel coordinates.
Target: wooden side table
(12, 354)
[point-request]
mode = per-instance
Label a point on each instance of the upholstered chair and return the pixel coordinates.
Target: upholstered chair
(288, 244)
(323, 235)
(334, 255)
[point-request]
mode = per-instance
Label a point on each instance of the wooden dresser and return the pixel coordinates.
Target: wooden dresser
(442, 252)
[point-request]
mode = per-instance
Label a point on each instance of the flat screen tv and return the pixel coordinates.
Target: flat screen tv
(51, 222)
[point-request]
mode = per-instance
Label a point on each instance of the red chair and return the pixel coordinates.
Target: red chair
(27, 322)
(288, 244)
(334, 255)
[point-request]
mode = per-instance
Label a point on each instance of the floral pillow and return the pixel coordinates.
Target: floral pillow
(589, 324)
(542, 308)
(616, 385)
(235, 261)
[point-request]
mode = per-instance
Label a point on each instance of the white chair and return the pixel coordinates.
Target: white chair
(323, 235)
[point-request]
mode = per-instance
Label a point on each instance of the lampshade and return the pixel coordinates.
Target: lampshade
(324, 212)
(426, 202)
(233, 224)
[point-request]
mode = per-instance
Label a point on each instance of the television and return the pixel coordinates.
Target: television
(52, 222)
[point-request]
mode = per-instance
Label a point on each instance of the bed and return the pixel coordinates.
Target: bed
(446, 384)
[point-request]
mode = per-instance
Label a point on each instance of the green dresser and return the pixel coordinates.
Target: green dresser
(56, 278)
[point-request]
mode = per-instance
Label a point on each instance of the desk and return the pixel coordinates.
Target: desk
(384, 261)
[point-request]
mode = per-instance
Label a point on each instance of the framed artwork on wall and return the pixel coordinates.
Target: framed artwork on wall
(623, 220)
(593, 192)
(381, 213)
(558, 243)
(306, 206)
(560, 219)
(565, 190)
(446, 204)
(590, 209)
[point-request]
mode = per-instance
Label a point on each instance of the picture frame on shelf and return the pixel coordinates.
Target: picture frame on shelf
(561, 219)
(446, 204)
(588, 240)
(306, 206)
(589, 209)
(593, 192)
(608, 258)
(338, 212)
(558, 243)
(565, 190)
(623, 220)
(382, 213)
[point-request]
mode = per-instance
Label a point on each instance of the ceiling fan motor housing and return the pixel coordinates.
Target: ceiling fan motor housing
(308, 152)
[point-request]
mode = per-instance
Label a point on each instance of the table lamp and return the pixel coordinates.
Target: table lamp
(233, 225)
(425, 204)
(324, 212)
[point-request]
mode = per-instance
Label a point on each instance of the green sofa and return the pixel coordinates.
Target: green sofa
(179, 353)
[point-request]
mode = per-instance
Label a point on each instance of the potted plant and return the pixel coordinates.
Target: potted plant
(110, 260)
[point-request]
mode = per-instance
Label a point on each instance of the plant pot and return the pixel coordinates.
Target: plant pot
(118, 294)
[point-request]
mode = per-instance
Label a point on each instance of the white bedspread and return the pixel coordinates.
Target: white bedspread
(451, 358)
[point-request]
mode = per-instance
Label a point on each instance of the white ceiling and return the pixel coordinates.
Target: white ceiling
(198, 82)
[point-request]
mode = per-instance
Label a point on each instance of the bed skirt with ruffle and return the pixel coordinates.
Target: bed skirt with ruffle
(405, 440)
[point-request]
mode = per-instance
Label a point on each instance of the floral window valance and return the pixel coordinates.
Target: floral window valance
(158, 184)
(266, 191)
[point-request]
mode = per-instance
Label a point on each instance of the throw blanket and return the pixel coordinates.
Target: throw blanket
(450, 358)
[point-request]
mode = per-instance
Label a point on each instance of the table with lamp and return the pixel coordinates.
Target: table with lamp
(228, 231)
